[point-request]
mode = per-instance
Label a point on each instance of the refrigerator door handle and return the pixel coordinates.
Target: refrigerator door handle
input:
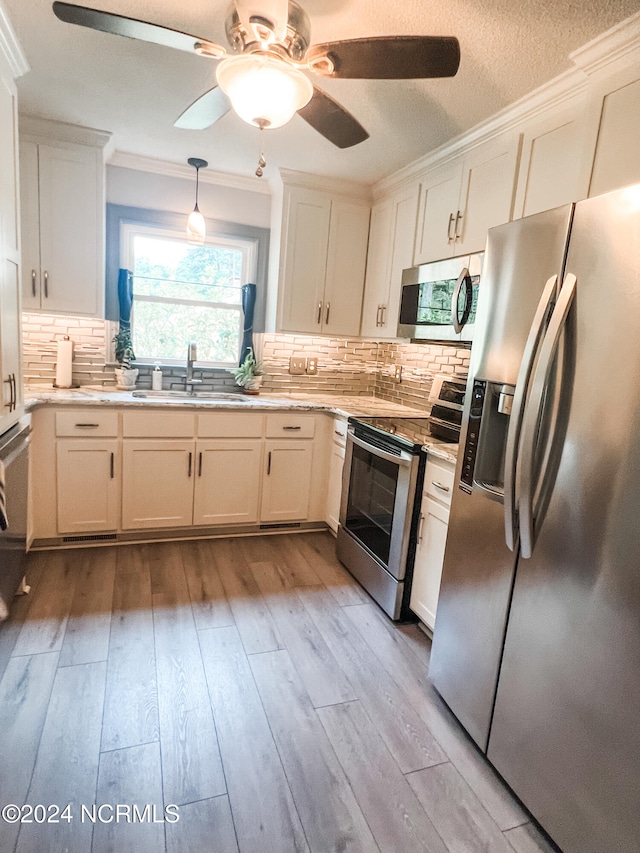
(532, 347)
(456, 321)
(534, 411)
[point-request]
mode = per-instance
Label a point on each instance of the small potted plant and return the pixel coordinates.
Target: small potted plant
(249, 375)
(126, 375)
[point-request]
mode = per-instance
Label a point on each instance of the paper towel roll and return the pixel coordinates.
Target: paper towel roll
(64, 363)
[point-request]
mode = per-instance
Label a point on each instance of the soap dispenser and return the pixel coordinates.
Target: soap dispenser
(156, 378)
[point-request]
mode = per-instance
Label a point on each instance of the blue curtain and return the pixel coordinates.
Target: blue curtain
(125, 300)
(248, 306)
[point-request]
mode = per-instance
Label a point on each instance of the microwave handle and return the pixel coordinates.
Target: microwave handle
(458, 322)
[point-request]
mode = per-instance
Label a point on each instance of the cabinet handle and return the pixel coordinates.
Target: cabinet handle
(46, 284)
(383, 315)
(9, 382)
(200, 464)
(459, 218)
(292, 427)
(440, 486)
(326, 316)
(33, 282)
(319, 319)
(337, 432)
(378, 315)
(269, 464)
(15, 391)
(420, 526)
(450, 236)
(113, 466)
(190, 463)
(86, 426)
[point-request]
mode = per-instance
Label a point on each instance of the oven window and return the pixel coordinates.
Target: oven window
(372, 494)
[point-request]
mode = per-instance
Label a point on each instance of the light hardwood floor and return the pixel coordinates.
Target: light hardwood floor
(252, 684)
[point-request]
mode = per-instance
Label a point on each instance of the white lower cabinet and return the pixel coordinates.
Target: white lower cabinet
(88, 485)
(286, 484)
(227, 484)
(157, 483)
(432, 538)
(336, 466)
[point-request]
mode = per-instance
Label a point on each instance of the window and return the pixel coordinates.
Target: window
(184, 293)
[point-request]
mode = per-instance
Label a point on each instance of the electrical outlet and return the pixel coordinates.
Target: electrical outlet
(297, 366)
(398, 373)
(312, 365)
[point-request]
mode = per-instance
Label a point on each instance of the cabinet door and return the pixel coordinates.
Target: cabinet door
(30, 226)
(405, 211)
(227, 485)
(67, 180)
(346, 261)
(157, 483)
(334, 488)
(287, 480)
(488, 189)
(10, 343)
(376, 292)
(617, 156)
(8, 170)
(548, 174)
(439, 199)
(87, 485)
(427, 570)
(307, 236)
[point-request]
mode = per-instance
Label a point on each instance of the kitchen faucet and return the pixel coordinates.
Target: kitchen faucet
(192, 355)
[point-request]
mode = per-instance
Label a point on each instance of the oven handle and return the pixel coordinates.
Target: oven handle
(403, 460)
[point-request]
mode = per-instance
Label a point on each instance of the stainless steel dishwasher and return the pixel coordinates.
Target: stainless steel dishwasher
(14, 454)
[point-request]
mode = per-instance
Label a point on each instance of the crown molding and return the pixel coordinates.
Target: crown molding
(10, 46)
(125, 160)
(335, 186)
(46, 129)
(619, 44)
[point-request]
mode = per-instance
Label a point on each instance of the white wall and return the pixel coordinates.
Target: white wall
(160, 192)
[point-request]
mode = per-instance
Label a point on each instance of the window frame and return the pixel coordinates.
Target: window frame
(130, 230)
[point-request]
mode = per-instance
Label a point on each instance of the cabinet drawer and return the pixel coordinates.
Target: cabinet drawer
(290, 426)
(84, 422)
(158, 424)
(230, 425)
(438, 480)
(339, 432)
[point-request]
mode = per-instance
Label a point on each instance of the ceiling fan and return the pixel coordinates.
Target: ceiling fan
(263, 78)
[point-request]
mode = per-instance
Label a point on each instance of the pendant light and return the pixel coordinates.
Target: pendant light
(196, 228)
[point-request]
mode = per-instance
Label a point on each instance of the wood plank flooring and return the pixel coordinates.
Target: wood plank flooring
(249, 683)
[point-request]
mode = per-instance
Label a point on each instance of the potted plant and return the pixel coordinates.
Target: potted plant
(126, 375)
(249, 375)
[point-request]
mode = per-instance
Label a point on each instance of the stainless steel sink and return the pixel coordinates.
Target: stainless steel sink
(197, 395)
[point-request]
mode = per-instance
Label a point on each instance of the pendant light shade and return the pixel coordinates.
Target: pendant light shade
(196, 228)
(263, 91)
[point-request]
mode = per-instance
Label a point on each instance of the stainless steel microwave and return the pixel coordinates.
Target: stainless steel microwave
(438, 300)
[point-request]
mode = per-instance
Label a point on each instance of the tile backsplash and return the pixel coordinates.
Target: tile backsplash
(346, 366)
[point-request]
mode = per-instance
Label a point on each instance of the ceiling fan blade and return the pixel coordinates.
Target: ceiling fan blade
(119, 25)
(205, 110)
(331, 120)
(387, 57)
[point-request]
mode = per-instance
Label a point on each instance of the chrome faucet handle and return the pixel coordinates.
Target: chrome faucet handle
(192, 352)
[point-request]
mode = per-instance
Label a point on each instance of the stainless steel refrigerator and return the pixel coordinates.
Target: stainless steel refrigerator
(537, 637)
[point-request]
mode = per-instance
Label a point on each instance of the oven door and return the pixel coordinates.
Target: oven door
(377, 501)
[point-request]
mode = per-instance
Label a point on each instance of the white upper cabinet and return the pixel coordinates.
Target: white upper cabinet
(391, 244)
(62, 194)
(459, 202)
(324, 250)
(549, 166)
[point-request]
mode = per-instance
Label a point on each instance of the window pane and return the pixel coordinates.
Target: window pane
(184, 291)
(162, 331)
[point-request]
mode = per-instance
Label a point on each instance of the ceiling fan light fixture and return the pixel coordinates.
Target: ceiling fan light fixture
(264, 91)
(196, 227)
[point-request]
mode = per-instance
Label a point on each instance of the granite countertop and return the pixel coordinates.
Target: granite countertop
(337, 404)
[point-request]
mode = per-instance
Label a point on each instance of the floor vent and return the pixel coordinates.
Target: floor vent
(97, 537)
(283, 525)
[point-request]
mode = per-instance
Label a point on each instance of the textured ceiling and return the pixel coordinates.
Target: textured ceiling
(137, 90)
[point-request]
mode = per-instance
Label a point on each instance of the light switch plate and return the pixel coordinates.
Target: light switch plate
(398, 373)
(312, 365)
(297, 366)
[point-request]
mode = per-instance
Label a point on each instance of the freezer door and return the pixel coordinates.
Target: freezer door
(479, 568)
(565, 732)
